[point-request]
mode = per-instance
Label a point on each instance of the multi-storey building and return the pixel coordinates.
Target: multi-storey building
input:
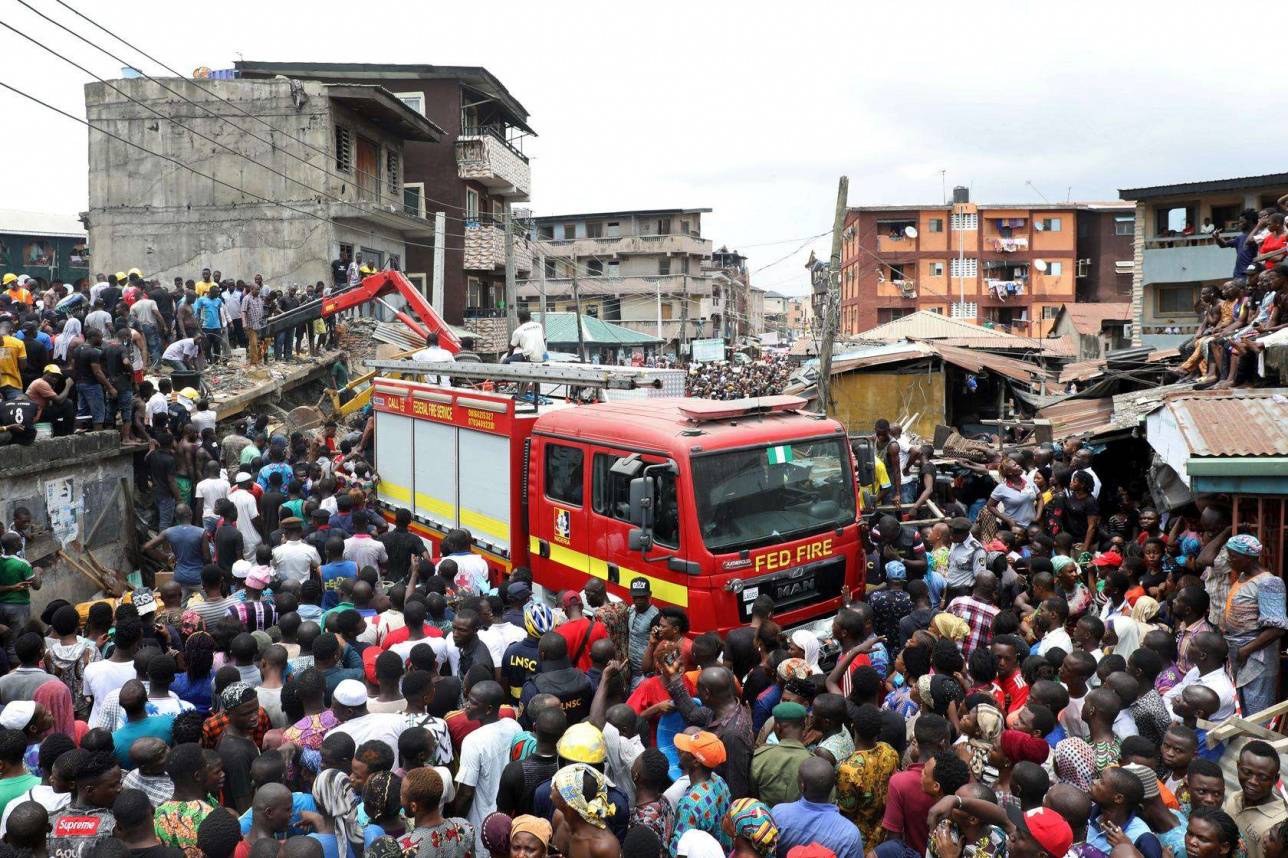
(1177, 251)
(280, 215)
(641, 269)
(1011, 266)
(473, 174)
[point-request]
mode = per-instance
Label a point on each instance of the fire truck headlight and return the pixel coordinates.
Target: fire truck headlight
(735, 585)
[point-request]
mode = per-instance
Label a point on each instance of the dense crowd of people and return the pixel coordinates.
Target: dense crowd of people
(765, 376)
(76, 354)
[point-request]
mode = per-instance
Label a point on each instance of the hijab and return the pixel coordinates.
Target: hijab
(55, 696)
(809, 643)
(950, 626)
(71, 332)
(989, 723)
(1128, 632)
(696, 843)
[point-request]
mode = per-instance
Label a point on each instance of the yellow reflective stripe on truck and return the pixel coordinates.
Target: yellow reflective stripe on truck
(397, 492)
(667, 591)
(485, 524)
(440, 508)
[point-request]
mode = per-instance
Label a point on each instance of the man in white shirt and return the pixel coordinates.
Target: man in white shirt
(484, 754)
(180, 354)
(349, 704)
(361, 548)
(1208, 652)
(1081, 461)
(213, 488)
(528, 342)
(295, 559)
(159, 404)
(247, 514)
(433, 353)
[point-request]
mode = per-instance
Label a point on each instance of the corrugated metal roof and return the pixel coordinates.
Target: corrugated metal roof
(1089, 318)
(561, 328)
(1237, 184)
(1233, 423)
(925, 325)
(1074, 417)
(25, 222)
(1089, 369)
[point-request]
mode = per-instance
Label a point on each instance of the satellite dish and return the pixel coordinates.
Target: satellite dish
(1037, 224)
(910, 231)
(1040, 265)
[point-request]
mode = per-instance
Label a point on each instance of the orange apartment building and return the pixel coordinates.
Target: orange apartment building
(1011, 266)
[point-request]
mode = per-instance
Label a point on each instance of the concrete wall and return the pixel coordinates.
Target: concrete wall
(863, 397)
(148, 212)
(96, 465)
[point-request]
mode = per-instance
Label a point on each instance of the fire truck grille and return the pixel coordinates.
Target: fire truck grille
(791, 589)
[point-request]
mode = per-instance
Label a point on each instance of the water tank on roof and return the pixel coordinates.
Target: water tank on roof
(961, 194)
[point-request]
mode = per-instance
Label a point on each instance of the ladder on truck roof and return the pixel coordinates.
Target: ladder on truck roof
(596, 377)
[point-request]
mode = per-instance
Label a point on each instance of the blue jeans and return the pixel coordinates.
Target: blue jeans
(282, 344)
(90, 398)
(123, 404)
(153, 336)
(10, 393)
(909, 489)
(165, 509)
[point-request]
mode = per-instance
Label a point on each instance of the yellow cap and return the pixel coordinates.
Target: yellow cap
(120, 275)
(134, 272)
(189, 393)
(10, 278)
(53, 368)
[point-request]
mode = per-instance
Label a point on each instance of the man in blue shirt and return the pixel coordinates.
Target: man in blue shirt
(1118, 794)
(1244, 250)
(814, 818)
(209, 310)
(334, 571)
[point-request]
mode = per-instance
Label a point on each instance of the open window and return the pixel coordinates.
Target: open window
(611, 494)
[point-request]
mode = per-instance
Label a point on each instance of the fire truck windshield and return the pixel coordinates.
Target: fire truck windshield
(749, 498)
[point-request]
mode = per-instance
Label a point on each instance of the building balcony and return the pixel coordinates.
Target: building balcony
(675, 244)
(486, 158)
(1171, 261)
(485, 248)
(1004, 290)
(1006, 245)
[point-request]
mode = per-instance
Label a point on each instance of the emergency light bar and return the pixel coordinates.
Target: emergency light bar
(700, 410)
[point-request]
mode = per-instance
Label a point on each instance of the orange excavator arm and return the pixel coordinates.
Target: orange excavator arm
(422, 319)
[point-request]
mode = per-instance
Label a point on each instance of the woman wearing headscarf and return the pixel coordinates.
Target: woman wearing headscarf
(949, 627)
(582, 810)
(336, 824)
(67, 341)
(1124, 633)
(432, 835)
(804, 645)
(752, 827)
(57, 698)
(982, 727)
(1252, 621)
(496, 834)
(530, 837)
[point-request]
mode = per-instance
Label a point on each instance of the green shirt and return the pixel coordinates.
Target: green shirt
(775, 771)
(11, 788)
(249, 453)
(12, 571)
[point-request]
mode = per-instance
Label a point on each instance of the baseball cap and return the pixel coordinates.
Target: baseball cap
(53, 368)
(706, 747)
(350, 692)
(241, 568)
(259, 577)
(1109, 558)
(145, 602)
(570, 598)
(1045, 826)
(640, 586)
(896, 571)
(518, 591)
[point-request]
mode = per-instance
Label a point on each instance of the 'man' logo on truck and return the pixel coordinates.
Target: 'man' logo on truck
(783, 558)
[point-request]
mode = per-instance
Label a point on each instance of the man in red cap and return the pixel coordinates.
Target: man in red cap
(707, 799)
(579, 631)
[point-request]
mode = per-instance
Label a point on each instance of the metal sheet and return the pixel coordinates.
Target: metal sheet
(1234, 423)
(485, 487)
(435, 473)
(393, 449)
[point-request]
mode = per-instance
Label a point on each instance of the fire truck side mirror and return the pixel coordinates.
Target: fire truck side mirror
(865, 457)
(638, 540)
(642, 503)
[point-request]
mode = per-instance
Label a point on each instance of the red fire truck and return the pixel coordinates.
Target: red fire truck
(714, 503)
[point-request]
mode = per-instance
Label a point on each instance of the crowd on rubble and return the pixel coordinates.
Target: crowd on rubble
(79, 355)
(1236, 318)
(764, 376)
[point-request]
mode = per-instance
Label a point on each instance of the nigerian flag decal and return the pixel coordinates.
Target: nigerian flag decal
(779, 455)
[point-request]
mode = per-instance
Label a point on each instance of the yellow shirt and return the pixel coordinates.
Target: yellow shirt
(882, 482)
(203, 287)
(11, 351)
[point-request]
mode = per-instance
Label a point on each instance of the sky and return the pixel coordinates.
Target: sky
(752, 109)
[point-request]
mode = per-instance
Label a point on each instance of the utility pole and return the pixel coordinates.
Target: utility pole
(831, 300)
(541, 284)
(576, 300)
(511, 291)
(440, 248)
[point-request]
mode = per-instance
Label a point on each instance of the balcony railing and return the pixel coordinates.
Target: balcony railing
(488, 159)
(1008, 245)
(1170, 241)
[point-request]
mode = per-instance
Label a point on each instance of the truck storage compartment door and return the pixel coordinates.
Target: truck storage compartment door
(394, 460)
(436, 460)
(485, 488)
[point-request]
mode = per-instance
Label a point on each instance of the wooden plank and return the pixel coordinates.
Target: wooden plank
(93, 531)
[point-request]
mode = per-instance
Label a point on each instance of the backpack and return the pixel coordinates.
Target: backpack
(179, 418)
